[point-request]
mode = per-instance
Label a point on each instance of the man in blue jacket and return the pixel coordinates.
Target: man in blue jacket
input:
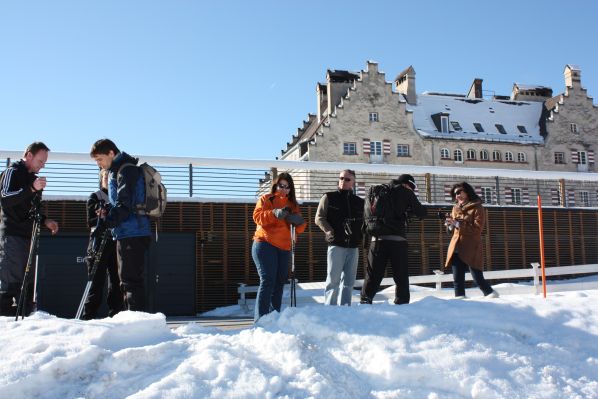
(126, 189)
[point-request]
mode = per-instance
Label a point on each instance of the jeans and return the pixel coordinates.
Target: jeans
(459, 269)
(272, 265)
(341, 271)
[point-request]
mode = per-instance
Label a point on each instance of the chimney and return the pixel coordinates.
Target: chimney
(405, 83)
(475, 91)
(322, 94)
(572, 76)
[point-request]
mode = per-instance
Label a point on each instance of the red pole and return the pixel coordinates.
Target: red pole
(541, 228)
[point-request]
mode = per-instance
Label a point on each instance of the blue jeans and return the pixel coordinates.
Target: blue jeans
(273, 268)
(459, 269)
(341, 271)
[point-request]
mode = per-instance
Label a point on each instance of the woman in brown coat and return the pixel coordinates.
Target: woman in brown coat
(467, 222)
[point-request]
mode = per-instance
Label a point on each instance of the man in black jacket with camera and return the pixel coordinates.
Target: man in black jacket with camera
(19, 188)
(388, 232)
(340, 216)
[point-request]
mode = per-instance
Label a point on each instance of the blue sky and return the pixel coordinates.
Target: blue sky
(235, 79)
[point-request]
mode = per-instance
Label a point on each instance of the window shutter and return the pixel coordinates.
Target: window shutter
(570, 197)
(366, 146)
(361, 189)
(590, 156)
(525, 196)
(574, 156)
(554, 196)
(508, 195)
(386, 147)
(447, 194)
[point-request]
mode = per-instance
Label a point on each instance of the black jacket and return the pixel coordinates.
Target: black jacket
(341, 211)
(93, 203)
(16, 197)
(404, 204)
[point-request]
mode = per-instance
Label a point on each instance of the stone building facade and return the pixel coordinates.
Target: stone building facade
(363, 118)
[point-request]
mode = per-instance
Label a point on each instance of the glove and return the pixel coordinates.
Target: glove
(330, 236)
(280, 213)
(295, 218)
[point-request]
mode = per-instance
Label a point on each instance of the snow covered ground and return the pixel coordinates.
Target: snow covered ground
(513, 347)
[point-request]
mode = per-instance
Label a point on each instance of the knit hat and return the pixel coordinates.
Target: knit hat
(407, 179)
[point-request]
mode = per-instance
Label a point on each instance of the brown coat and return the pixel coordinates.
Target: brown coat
(467, 239)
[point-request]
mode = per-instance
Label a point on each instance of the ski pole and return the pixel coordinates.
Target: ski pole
(293, 285)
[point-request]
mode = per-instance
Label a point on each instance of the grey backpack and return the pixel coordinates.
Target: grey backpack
(155, 192)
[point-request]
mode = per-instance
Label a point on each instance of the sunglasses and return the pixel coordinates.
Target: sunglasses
(457, 192)
(283, 186)
(344, 178)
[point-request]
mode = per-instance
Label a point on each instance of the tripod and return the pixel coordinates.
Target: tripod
(36, 215)
(293, 283)
(96, 256)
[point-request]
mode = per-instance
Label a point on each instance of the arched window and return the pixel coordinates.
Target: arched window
(496, 155)
(521, 157)
(509, 156)
(458, 155)
(471, 155)
(445, 154)
(484, 155)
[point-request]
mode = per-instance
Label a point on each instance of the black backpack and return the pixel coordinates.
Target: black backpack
(379, 211)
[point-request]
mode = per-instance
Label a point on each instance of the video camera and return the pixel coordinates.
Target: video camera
(443, 215)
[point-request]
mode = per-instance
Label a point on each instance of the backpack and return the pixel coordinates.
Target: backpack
(155, 192)
(379, 212)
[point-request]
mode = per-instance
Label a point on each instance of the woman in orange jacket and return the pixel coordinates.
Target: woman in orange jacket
(273, 214)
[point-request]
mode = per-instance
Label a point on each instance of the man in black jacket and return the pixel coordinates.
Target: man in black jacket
(389, 243)
(19, 186)
(340, 216)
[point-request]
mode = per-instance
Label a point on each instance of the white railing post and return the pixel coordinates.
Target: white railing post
(536, 276)
(242, 299)
(438, 273)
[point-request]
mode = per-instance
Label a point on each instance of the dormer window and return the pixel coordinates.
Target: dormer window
(456, 126)
(522, 129)
(500, 128)
(441, 121)
(373, 117)
(478, 127)
(444, 124)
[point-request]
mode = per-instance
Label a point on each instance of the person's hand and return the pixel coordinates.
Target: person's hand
(39, 183)
(280, 213)
(52, 225)
(329, 236)
(295, 218)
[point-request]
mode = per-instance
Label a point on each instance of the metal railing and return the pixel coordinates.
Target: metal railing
(219, 179)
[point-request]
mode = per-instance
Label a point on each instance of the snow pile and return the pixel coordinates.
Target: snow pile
(512, 347)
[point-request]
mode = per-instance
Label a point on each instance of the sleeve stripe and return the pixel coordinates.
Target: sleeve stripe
(6, 184)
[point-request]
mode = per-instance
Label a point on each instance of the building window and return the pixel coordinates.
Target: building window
(349, 148)
(478, 127)
(484, 155)
(486, 195)
(458, 155)
(375, 147)
(456, 126)
(496, 155)
(445, 154)
(444, 124)
(573, 127)
(559, 158)
(471, 155)
(521, 157)
(522, 129)
(584, 198)
(509, 156)
(500, 128)
(583, 157)
(402, 150)
(373, 117)
(516, 196)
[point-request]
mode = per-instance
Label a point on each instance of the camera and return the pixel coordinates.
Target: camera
(443, 215)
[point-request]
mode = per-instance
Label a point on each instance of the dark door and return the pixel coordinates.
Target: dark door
(62, 274)
(171, 275)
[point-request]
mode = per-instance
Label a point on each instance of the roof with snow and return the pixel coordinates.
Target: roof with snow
(477, 118)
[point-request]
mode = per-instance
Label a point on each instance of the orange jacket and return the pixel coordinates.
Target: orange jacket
(269, 228)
